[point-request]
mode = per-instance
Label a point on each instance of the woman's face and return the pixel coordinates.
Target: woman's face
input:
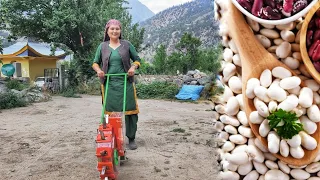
(114, 32)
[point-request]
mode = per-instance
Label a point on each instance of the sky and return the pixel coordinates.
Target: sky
(159, 5)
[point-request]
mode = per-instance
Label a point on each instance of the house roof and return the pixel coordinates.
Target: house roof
(34, 49)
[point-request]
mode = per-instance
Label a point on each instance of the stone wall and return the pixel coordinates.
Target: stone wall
(191, 78)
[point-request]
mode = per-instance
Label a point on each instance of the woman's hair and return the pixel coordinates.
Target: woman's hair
(109, 23)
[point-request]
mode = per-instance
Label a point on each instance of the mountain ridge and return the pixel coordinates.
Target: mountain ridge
(139, 11)
(167, 27)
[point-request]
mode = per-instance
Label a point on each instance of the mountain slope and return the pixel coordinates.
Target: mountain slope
(167, 27)
(139, 11)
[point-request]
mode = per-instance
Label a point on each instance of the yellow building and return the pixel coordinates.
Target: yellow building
(31, 59)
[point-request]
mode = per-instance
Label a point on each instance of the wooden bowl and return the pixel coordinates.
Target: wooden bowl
(275, 22)
(303, 45)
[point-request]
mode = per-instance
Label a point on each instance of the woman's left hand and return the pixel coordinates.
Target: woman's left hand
(131, 71)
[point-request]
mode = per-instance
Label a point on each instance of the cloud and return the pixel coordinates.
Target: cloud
(159, 5)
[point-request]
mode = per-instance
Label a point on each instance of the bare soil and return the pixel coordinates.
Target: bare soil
(55, 140)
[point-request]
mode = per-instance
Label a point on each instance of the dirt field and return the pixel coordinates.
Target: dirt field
(55, 140)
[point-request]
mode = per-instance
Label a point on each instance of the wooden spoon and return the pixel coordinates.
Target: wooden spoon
(255, 59)
(303, 47)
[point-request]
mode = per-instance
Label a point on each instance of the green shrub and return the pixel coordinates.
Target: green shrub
(10, 100)
(157, 90)
(92, 87)
(16, 84)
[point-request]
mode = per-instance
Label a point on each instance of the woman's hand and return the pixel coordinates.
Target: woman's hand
(100, 74)
(131, 71)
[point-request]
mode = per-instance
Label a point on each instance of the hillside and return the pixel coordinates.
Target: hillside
(166, 27)
(139, 11)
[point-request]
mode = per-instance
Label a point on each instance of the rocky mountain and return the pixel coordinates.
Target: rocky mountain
(167, 27)
(139, 11)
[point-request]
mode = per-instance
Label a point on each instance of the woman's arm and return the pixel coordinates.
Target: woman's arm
(96, 61)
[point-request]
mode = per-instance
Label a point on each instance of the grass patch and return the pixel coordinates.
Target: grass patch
(157, 90)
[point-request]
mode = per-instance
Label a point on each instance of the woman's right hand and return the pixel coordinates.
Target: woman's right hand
(100, 74)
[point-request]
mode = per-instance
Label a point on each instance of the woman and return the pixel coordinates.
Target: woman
(113, 57)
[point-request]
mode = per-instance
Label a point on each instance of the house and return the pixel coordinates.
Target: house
(31, 59)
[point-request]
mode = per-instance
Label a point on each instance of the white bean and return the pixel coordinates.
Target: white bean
(262, 108)
(240, 148)
(255, 118)
(229, 175)
(270, 33)
(290, 103)
(270, 157)
(272, 106)
(232, 107)
(284, 148)
(273, 142)
(295, 141)
(299, 174)
(238, 139)
(297, 152)
(287, 35)
(260, 167)
(281, 72)
(253, 175)
(306, 97)
(220, 109)
(283, 50)
(266, 43)
(242, 118)
(235, 84)
(240, 101)
(246, 131)
(275, 174)
(284, 167)
(261, 93)
(244, 169)
(223, 135)
(292, 63)
(227, 166)
(288, 26)
(230, 129)
(314, 113)
(238, 158)
(309, 126)
(275, 92)
(228, 71)
(266, 78)
(278, 41)
(227, 55)
(225, 119)
(313, 167)
(264, 128)
(236, 60)
(228, 146)
(307, 141)
(316, 98)
(312, 84)
(271, 164)
(290, 82)
(218, 126)
(251, 85)
(255, 154)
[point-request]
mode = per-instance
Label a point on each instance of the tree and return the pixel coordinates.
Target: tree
(160, 59)
(189, 47)
(77, 25)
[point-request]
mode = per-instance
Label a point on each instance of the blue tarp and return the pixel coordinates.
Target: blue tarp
(189, 92)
